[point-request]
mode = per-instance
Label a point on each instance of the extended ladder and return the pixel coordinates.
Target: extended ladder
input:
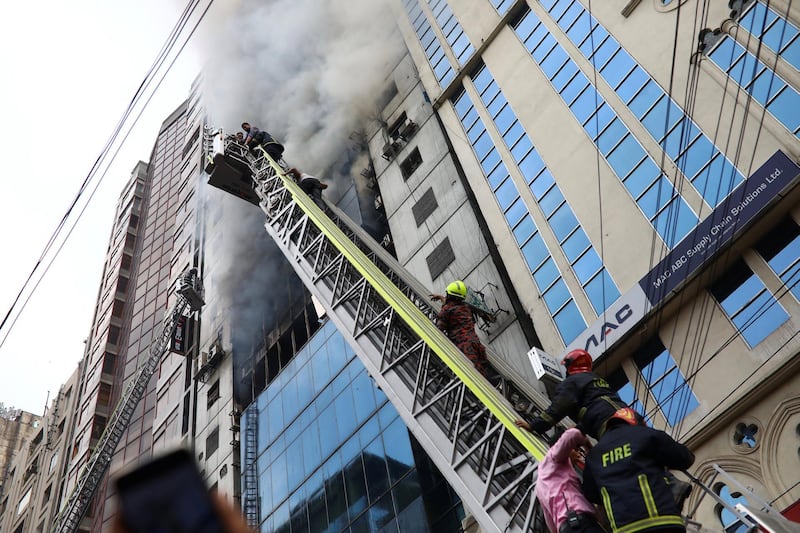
(190, 296)
(251, 503)
(460, 419)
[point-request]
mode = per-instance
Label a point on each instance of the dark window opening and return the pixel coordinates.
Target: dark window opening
(440, 258)
(213, 394)
(394, 129)
(212, 442)
(410, 163)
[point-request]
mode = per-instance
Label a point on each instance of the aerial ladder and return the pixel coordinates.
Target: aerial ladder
(189, 290)
(464, 422)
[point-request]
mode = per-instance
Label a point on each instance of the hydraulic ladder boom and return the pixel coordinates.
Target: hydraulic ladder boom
(190, 296)
(461, 420)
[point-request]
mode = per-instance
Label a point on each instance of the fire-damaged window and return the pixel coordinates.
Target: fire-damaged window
(424, 207)
(393, 130)
(212, 442)
(440, 258)
(213, 394)
(410, 163)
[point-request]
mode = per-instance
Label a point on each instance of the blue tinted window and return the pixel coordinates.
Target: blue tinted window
(564, 75)
(587, 266)
(643, 101)
(542, 184)
(781, 249)
(483, 145)
(585, 104)
(665, 381)
(749, 305)
(516, 212)
(544, 47)
(551, 201)
(524, 230)
(563, 222)
(496, 176)
(504, 119)
(531, 165)
(556, 296)
(580, 29)
(626, 156)
(526, 26)
(675, 222)
(631, 85)
(661, 118)
(506, 193)
(570, 15)
(696, 156)
(617, 68)
(513, 135)
(482, 80)
(656, 197)
(546, 274)
(786, 108)
(521, 149)
(569, 322)
(641, 177)
(535, 251)
(599, 120)
(602, 291)
(604, 51)
(463, 105)
(680, 137)
(609, 138)
(491, 161)
(574, 88)
(554, 61)
(575, 245)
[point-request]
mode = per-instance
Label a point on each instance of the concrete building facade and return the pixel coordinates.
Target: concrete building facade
(607, 148)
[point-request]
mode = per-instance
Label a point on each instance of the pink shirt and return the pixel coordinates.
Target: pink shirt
(558, 486)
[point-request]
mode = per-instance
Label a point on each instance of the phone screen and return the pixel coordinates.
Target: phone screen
(167, 495)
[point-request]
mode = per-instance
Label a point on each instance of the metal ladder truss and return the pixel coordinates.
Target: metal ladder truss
(189, 296)
(461, 419)
(252, 503)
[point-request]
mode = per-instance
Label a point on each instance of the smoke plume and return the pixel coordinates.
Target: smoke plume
(310, 73)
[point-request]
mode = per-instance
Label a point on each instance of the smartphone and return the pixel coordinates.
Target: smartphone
(167, 495)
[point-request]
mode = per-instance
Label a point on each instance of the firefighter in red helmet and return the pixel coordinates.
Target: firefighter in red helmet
(583, 396)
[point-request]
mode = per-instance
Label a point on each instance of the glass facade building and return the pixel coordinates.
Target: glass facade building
(333, 454)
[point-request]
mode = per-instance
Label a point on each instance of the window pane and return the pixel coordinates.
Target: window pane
(542, 184)
(535, 251)
(625, 156)
(602, 291)
(631, 85)
(524, 230)
(575, 245)
(615, 70)
(611, 136)
(506, 193)
(569, 322)
(642, 102)
(587, 266)
(531, 165)
(563, 222)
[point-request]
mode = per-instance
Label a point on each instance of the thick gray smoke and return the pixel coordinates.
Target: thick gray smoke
(307, 71)
(310, 72)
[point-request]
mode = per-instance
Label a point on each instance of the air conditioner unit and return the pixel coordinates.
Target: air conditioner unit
(203, 359)
(408, 129)
(215, 352)
(388, 151)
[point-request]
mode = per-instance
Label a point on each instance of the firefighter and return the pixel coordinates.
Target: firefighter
(256, 137)
(583, 396)
(457, 322)
(626, 473)
(558, 486)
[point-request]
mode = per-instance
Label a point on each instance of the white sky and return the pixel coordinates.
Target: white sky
(69, 70)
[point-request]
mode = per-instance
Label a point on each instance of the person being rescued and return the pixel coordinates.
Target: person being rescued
(312, 186)
(255, 137)
(457, 321)
(558, 486)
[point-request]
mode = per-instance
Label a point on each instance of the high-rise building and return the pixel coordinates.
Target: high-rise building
(639, 183)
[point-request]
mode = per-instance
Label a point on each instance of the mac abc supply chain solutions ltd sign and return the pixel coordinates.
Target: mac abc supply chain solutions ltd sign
(745, 204)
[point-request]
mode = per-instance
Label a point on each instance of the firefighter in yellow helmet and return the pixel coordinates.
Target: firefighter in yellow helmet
(456, 320)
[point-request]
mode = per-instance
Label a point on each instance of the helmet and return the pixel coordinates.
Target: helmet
(577, 361)
(457, 289)
(627, 415)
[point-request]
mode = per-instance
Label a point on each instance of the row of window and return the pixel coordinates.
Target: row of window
(452, 31)
(584, 260)
(502, 5)
(440, 64)
(548, 279)
(666, 210)
(775, 31)
(760, 81)
(693, 152)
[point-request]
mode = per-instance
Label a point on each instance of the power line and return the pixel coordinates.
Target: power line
(157, 63)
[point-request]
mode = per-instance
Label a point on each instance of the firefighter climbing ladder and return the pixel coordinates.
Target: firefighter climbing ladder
(460, 419)
(190, 296)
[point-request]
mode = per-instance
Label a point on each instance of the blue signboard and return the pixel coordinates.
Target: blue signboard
(719, 228)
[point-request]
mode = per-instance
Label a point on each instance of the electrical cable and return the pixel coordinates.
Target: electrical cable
(166, 48)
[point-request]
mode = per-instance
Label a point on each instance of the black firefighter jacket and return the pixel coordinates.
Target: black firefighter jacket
(625, 473)
(587, 399)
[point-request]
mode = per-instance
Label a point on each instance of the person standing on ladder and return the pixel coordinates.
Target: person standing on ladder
(457, 322)
(625, 472)
(256, 137)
